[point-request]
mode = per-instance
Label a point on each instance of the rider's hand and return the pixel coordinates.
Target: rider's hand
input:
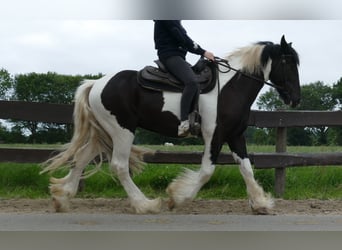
(209, 55)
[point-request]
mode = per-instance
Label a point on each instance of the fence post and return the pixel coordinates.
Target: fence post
(280, 173)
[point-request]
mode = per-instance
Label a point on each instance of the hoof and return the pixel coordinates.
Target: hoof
(158, 206)
(149, 206)
(171, 204)
(60, 205)
(262, 206)
(261, 211)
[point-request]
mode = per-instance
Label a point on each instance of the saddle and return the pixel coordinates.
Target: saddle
(159, 79)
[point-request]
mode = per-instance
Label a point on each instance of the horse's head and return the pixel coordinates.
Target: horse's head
(284, 71)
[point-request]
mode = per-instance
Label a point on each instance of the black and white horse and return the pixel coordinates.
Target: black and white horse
(108, 111)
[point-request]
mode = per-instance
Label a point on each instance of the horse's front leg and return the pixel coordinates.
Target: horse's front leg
(260, 202)
(186, 186)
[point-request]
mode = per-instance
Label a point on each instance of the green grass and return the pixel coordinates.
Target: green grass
(314, 182)
(24, 181)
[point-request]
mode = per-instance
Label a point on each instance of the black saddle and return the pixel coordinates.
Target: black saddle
(159, 79)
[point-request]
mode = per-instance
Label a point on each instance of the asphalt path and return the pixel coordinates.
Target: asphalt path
(130, 222)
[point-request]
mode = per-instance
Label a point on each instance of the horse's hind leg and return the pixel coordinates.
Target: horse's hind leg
(65, 188)
(122, 141)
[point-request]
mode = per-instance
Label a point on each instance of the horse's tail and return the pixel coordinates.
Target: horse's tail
(88, 132)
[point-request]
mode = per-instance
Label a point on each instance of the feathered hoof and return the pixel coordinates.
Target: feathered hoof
(262, 211)
(60, 204)
(262, 208)
(171, 204)
(148, 206)
(175, 200)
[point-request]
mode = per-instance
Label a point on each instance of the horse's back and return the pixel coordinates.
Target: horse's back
(119, 82)
(114, 86)
(114, 97)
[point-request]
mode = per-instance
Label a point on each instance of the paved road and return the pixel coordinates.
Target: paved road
(124, 222)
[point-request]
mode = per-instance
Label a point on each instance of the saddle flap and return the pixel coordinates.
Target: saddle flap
(154, 74)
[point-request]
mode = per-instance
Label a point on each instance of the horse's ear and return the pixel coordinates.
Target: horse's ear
(283, 43)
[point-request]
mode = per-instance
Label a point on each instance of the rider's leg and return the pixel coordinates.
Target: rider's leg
(183, 72)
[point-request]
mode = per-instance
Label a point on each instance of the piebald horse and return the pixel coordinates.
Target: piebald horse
(109, 110)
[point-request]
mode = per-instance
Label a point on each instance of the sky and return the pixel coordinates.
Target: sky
(108, 46)
(81, 37)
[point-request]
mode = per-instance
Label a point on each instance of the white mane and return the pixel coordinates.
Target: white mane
(248, 58)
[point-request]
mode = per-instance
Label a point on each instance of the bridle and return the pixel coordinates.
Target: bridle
(224, 63)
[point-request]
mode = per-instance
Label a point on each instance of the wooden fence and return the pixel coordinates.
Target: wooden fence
(280, 160)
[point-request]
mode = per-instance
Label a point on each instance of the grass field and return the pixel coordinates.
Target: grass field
(24, 181)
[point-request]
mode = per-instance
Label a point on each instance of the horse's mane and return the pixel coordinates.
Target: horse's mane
(254, 58)
(249, 58)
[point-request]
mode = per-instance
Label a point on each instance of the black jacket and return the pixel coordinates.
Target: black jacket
(171, 39)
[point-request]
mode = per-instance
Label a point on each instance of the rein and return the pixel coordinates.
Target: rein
(225, 63)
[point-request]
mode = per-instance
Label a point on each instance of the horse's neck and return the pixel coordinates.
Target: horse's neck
(248, 86)
(254, 88)
(249, 59)
(224, 76)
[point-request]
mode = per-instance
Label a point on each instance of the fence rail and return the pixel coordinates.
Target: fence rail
(280, 160)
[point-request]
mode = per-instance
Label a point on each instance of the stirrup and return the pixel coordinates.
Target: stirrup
(195, 123)
(183, 128)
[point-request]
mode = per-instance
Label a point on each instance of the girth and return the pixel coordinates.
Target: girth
(158, 79)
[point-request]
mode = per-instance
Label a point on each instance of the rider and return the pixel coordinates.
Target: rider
(172, 44)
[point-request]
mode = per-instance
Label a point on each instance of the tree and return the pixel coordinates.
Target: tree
(259, 136)
(335, 133)
(11, 136)
(315, 96)
(50, 87)
(33, 87)
(6, 83)
(337, 93)
(270, 101)
(47, 88)
(299, 137)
